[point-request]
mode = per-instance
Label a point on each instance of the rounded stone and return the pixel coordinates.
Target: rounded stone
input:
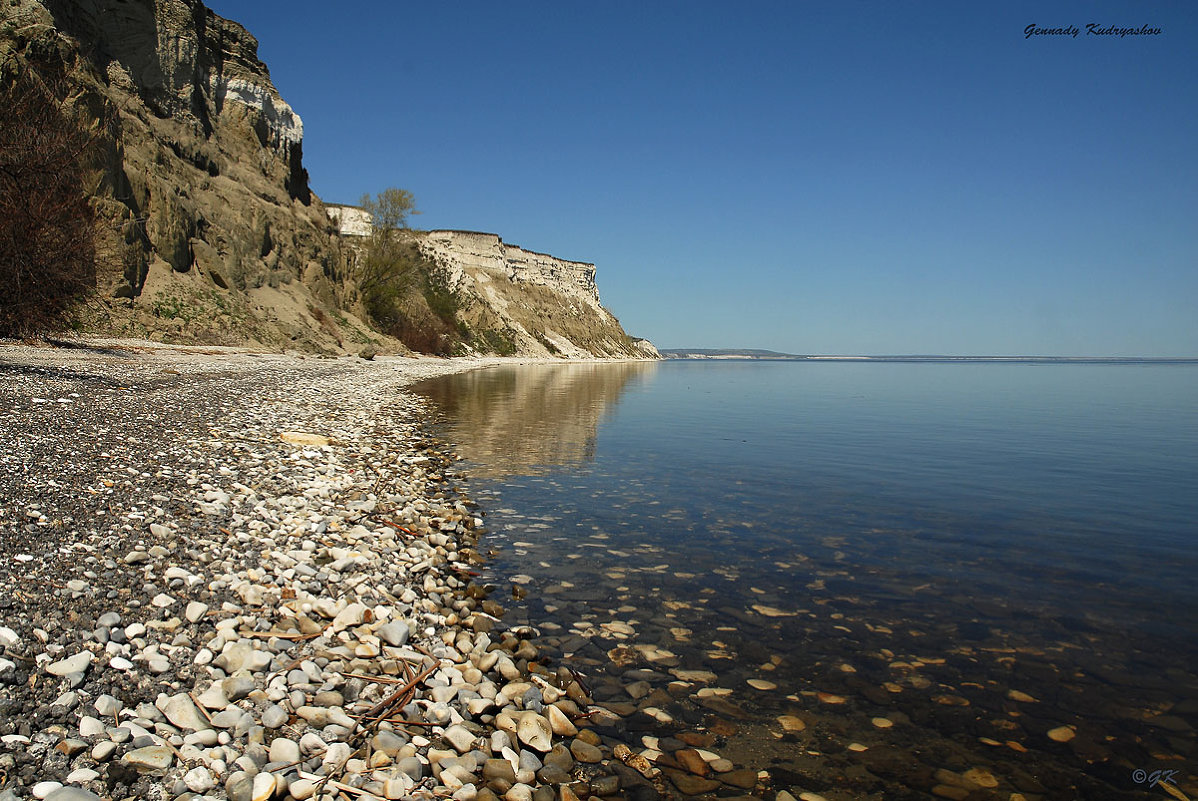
(274, 716)
(302, 789)
(1061, 734)
(388, 742)
(73, 794)
(690, 759)
(104, 750)
(499, 769)
(195, 610)
(535, 732)
(605, 785)
(264, 787)
(394, 633)
(328, 698)
(237, 687)
(284, 750)
(792, 723)
(411, 766)
(461, 738)
(552, 774)
(150, 759)
(585, 752)
(240, 786)
(199, 780)
(693, 785)
(107, 706)
(90, 727)
(560, 723)
(559, 757)
(311, 743)
(44, 789)
(74, 664)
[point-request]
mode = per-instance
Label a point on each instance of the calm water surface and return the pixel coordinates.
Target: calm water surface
(932, 544)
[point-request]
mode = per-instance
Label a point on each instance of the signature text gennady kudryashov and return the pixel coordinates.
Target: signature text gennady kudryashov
(1092, 29)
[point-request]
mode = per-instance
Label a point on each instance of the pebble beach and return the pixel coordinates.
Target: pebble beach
(252, 576)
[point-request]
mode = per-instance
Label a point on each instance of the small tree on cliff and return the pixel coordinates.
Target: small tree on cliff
(400, 286)
(390, 208)
(386, 260)
(47, 227)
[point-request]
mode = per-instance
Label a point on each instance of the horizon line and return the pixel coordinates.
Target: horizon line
(768, 352)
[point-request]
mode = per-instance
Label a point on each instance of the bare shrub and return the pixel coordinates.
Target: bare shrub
(47, 226)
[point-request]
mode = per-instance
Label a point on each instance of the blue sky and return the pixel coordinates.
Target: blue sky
(825, 178)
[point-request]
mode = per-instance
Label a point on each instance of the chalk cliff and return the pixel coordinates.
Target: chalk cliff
(550, 305)
(212, 233)
(545, 306)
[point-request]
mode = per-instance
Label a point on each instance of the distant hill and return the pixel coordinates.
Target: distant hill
(724, 353)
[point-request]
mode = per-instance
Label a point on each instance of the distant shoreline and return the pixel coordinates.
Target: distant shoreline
(676, 354)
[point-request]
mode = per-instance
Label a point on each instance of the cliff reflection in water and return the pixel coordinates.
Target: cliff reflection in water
(517, 419)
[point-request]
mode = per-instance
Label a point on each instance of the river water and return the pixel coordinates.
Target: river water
(870, 580)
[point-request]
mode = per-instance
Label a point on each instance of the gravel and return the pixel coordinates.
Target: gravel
(248, 576)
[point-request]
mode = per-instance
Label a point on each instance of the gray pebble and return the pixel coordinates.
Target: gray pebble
(274, 716)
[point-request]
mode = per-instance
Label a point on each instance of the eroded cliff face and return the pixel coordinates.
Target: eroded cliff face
(550, 305)
(213, 233)
(546, 306)
(210, 232)
(466, 253)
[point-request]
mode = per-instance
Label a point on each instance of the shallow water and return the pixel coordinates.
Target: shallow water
(974, 553)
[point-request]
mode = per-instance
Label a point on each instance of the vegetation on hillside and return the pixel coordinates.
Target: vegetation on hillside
(387, 262)
(392, 276)
(407, 295)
